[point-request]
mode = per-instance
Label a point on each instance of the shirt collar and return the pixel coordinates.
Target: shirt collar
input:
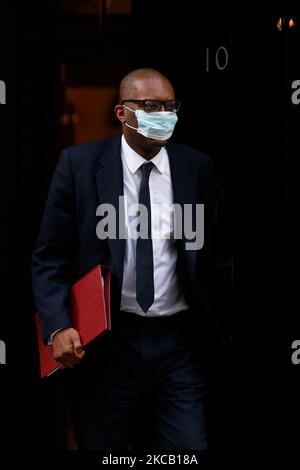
(134, 161)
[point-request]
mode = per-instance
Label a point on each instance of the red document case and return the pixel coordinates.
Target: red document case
(90, 313)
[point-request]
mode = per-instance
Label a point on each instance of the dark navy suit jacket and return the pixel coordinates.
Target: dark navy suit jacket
(67, 246)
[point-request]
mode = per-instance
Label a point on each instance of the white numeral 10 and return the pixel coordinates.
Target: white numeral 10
(221, 58)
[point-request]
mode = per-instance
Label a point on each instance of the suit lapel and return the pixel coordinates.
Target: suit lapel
(184, 193)
(110, 186)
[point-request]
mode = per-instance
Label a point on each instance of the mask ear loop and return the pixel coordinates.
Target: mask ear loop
(128, 125)
(132, 110)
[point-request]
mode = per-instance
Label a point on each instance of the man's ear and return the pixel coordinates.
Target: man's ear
(120, 113)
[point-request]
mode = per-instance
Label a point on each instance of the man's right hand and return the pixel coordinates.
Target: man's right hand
(67, 348)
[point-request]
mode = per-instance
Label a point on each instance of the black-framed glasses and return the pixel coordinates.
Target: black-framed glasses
(152, 106)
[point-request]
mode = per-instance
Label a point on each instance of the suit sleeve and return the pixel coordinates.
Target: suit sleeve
(53, 255)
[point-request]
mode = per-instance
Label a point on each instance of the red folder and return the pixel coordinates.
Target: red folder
(90, 314)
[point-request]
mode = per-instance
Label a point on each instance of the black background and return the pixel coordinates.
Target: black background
(243, 117)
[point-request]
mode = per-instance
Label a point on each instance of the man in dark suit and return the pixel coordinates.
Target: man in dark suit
(160, 313)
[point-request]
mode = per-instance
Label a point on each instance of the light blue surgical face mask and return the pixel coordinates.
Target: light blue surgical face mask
(159, 125)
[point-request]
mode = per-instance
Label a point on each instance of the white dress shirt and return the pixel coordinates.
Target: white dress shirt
(168, 296)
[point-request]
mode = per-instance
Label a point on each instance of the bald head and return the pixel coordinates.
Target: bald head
(139, 83)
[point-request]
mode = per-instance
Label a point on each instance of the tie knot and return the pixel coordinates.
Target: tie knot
(146, 169)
